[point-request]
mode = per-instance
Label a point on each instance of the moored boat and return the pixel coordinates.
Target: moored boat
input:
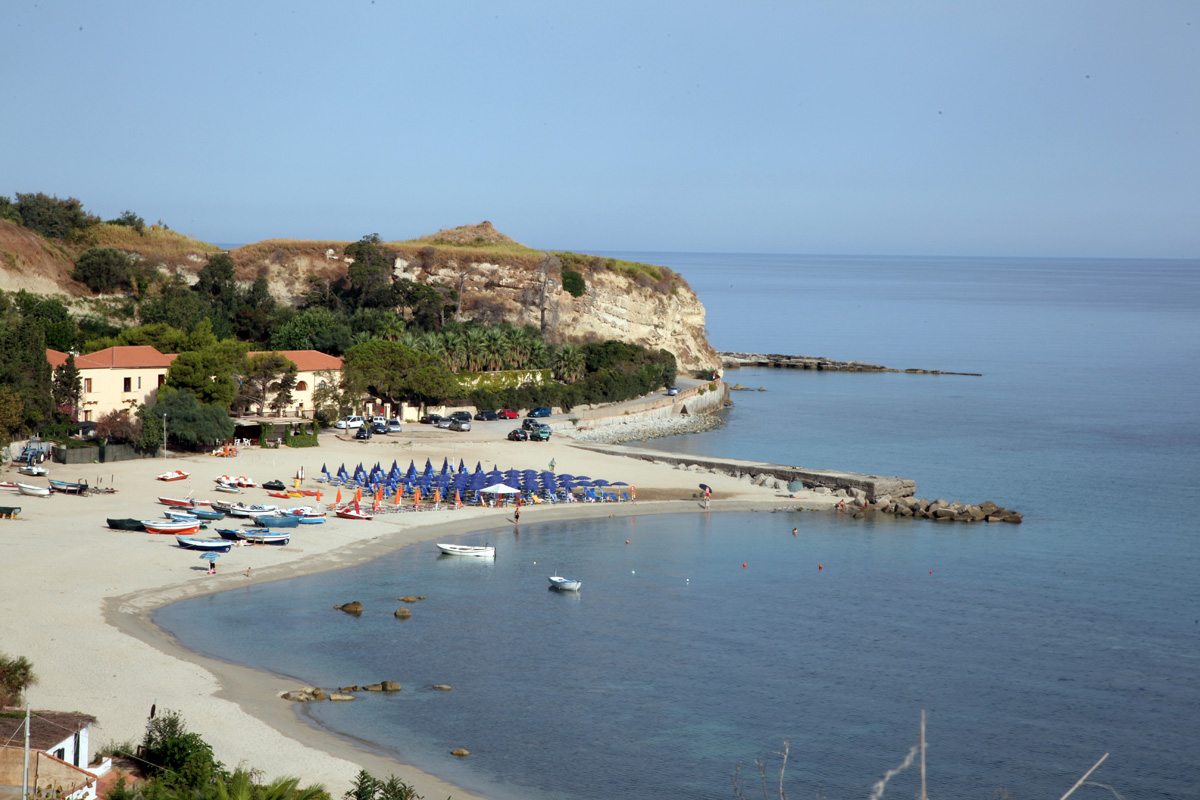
(178, 502)
(33, 491)
(33, 470)
(264, 538)
(564, 584)
(228, 488)
(126, 524)
(174, 475)
(240, 510)
(205, 514)
(210, 545)
(155, 526)
(467, 550)
(276, 520)
(228, 533)
(66, 487)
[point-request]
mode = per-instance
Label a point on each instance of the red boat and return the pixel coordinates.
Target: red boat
(348, 512)
(168, 527)
(177, 502)
(175, 475)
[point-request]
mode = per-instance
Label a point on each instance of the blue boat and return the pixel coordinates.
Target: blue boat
(205, 514)
(276, 520)
(210, 545)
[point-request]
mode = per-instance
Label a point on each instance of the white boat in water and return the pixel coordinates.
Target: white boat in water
(564, 584)
(467, 550)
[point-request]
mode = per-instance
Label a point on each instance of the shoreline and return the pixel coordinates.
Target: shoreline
(107, 597)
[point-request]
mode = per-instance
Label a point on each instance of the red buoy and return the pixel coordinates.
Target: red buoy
(743, 565)
(819, 567)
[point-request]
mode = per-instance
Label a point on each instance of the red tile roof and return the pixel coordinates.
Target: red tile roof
(141, 356)
(308, 360)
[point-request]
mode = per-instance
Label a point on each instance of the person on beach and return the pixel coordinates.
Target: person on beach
(707, 498)
(247, 572)
(517, 514)
(794, 530)
(552, 466)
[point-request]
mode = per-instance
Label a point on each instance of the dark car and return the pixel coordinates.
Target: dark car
(431, 419)
(379, 427)
(486, 416)
(541, 433)
(363, 433)
(540, 411)
(464, 415)
(507, 413)
(518, 435)
(529, 424)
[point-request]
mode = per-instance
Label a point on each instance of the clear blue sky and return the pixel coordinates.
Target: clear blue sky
(972, 128)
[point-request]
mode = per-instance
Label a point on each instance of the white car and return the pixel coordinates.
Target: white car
(378, 419)
(349, 423)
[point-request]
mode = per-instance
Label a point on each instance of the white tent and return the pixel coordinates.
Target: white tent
(500, 488)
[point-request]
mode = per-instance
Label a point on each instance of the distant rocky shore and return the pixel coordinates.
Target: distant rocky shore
(732, 360)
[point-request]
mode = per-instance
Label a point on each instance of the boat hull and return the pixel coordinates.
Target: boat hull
(169, 528)
(467, 550)
(126, 525)
(176, 502)
(68, 488)
(33, 491)
(276, 520)
(265, 538)
(177, 475)
(565, 584)
(208, 545)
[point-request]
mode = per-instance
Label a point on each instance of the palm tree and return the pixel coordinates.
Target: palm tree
(16, 675)
(456, 349)
(476, 345)
(569, 364)
(495, 347)
(240, 786)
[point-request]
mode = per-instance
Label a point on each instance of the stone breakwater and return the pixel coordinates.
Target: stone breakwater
(735, 360)
(918, 507)
(641, 428)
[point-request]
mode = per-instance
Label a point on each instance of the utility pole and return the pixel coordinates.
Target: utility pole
(25, 779)
(164, 434)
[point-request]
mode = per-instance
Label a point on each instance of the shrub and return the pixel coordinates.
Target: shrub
(573, 282)
(178, 757)
(53, 218)
(104, 269)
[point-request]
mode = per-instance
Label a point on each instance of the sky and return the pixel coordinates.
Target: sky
(979, 128)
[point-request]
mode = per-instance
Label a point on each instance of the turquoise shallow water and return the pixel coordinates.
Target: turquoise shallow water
(1035, 648)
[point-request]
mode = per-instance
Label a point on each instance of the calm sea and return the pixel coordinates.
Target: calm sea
(1035, 648)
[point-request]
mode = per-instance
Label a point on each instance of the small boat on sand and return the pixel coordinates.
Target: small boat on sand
(467, 550)
(564, 584)
(352, 513)
(276, 520)
(185, 528)
(177, 502)
(33, 470)
(205, 514)
(241, 510)
(275, 486)
(264, 538)
(126, 524)
(33, 491)
(228, 488)
(210, 545)
(174, 475)
(66, 487)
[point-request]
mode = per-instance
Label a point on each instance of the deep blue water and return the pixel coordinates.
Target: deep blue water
(1034, 648)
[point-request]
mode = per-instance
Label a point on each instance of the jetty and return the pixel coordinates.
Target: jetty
(731, 360)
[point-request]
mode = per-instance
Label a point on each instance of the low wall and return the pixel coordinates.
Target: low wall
(105, 454)
(873, 486)
(704, 399)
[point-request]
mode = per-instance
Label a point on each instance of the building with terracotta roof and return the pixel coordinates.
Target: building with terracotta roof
(59, 750)
(116, 377)
(313, 370)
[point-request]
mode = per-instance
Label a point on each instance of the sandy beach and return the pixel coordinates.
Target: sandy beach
(77, 596)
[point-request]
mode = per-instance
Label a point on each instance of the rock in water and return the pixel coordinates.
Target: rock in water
(353, 607)
(460, 752)
(403, 613)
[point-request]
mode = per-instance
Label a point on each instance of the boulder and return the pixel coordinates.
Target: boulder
(975, 513)
(409, 598)
(441, 687)
(390, 686)
(374, 687)
(348, 689)
(340, 696)
(988, 506)
(299, 696)
(778, 484)
(403, 613)
(904, 510)
(353, 607)
(319, 694)
(762, 388)
(942, 512)
(461, 752)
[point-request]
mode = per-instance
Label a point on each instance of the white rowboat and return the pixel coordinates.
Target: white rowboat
(467, 550)
(564, 584)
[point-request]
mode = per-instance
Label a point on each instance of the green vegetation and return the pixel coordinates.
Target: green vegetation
(16, 675)
(47, 216)
(573, 283)
(104, 269)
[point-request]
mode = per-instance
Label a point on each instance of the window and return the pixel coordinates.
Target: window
(128, 385)
(301, 386)
(162, 379)
(87, 416)
(87, 384)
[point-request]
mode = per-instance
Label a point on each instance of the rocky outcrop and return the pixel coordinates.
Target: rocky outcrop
(734, 360)
(403, 613)
(353, 607)
(942, 510)
(461, 752)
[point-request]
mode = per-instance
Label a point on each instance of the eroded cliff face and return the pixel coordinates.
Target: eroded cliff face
(615, 305)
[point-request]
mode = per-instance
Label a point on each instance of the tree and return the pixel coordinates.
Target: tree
(129, 219)
(118, 426)
(261, 377)
(188, 420)
(53, 218)
(16, 675)
(67, 388)
(573, 282)
(24, 368)
(104, 269)
(177, 306)
(569, 365)
(173, 755)
(394, 373)
(208, 372)
(52, 316)
(368, 787)
(331, 400)
(313, 329)
(371, 273)
(12, 414)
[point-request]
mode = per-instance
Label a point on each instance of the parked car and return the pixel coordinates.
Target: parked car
(540, 411)
(350, 422)
(460, 424)
(541, 433)
(672, 391)
(393, 425)
(461, 415)
(507, 413)
(379, 427)
(529, 424)
(486, 416)
(430, 419)
(378, 419)
(363, 432)
(443, 422)
(518, 435)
